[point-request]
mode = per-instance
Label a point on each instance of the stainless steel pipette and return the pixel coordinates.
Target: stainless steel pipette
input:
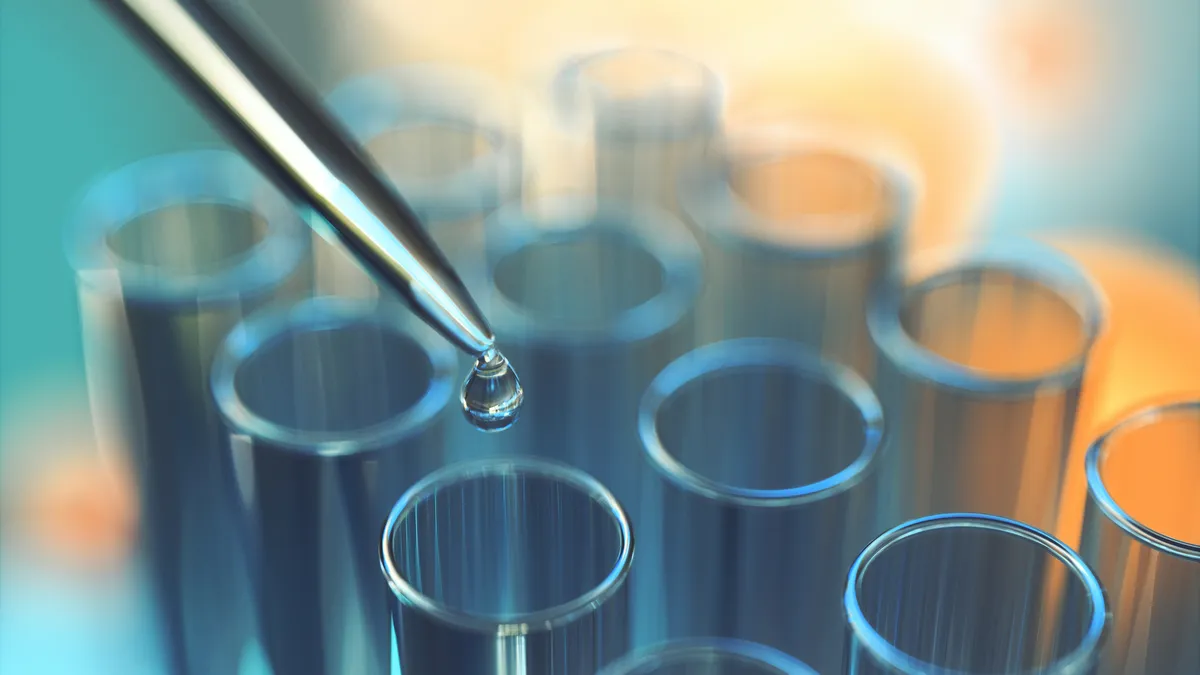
(285, 131)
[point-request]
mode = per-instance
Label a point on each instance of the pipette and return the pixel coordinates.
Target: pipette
(286, 132)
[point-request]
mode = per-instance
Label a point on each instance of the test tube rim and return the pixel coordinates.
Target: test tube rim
(328, 312)
(705, 190)
(1103, 499)
(196, 177)
(490, 178)
(542, 620)
(1030, 261)
(712, 358)
(511, 229)
(887, 654)
(646, 660)
(568, 87)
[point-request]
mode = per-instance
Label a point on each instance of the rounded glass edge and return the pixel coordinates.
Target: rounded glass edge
(649, 660)
(569, 86)
(712, 358)
(707, 198)
(208, 176)
(328, 312)
(1078, 661)
(1104, 500)
(511, 229)
(391, 99)
(1027, 259)
(531, 622)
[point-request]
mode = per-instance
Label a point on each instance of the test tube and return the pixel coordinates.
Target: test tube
(972, 593)
(711, 656)
(592, 303)
(1142, 536)
(761, 495)
(332, 407)
(797, 227)
(444, 137)
(652, 112)
(508, 566)
(169, 253)
(980, 355)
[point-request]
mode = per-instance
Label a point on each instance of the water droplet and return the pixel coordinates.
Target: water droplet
(492, 395)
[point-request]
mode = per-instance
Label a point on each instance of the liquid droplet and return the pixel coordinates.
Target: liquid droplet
(492, 395)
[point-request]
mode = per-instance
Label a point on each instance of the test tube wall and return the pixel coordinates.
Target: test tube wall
(761, 492)
(592, 303)
(1141, 534)
(169, 253)
(508, 566)
(971, 593)
(651, 112)
(980, 355)
(332, 407)
(797, 228)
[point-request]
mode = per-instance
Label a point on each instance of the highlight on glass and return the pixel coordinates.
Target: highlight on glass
(964, 594)
(980, 355)
(1141, 534)
(760, 495)
(708, 656)
(333, 407)
(798, 225)
(513, 565)
(169, 253)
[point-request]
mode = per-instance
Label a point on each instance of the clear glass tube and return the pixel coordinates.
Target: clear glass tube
(1141, 534)
(761, 494)
(332, 407)
(797, 227)
(446, 138)
(169, 254)
(963, 594)
(980, 356)
(508, 566)
(712, 656)
(651, 113)
(592, 303)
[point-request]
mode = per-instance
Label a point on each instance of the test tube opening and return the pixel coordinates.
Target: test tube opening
(1143, 475)
(708, 657)
(331, 375)
(813, 196)
(577, 275)
(188, 240)
(968, 593)
(429, 149)
(803, 428)
(483, 545)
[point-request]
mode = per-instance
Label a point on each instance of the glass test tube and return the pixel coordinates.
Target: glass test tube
(712, 656)
(444, 137)
(797, 227)
(508, 566)
(760, 497)
(652, 113)
(591, 303)
(169, 253)
(980, 355)
(971, 593)
(332, 408)
(1142, 536)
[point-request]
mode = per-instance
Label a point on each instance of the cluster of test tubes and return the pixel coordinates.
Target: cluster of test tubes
(760, 435)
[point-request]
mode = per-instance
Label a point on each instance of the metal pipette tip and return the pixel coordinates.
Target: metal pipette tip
(491, 395)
